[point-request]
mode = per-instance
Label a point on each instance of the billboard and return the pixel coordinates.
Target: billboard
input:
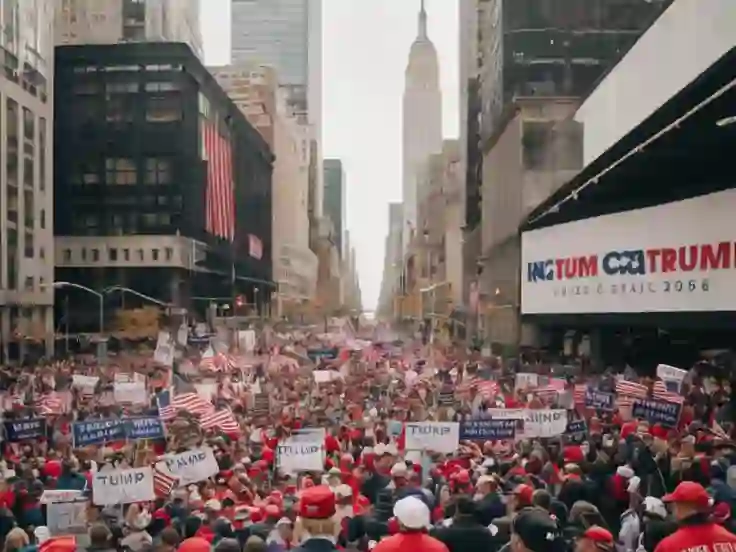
(677, 257)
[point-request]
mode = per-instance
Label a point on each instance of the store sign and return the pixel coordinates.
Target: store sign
(675, 257)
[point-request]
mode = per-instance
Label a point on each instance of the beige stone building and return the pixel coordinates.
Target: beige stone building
(255, 90)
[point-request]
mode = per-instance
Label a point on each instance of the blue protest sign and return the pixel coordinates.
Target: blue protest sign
(315, 355)
(576, 426)
(97, 432)
(600, 400)
(147, 427)
(657, 412)
(25, 430)
(485, 429)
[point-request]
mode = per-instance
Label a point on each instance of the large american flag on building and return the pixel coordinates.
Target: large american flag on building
(219, 195)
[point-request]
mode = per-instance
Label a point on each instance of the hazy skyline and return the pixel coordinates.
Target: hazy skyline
(365, 50)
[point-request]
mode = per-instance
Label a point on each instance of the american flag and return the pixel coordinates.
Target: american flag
(191, 402)
(163, 481)
(487, 389)
(222, 420)
(50, 404)
(631, 389)
(660, 392)
(550, 391)
(220, 197)
(255, 247)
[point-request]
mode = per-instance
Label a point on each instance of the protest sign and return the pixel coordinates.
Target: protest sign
(537, 423)
(657, 412)
(526, 381)
(144, 427)
(25, 430)
(123, 486)
(671, 376)
(576, 427)
(131, 392)
(86, 384)
(599, 400)
(97, 432)
(487, 429)
(192, 466)
(67, 518)
(435, 436)
(295, 456)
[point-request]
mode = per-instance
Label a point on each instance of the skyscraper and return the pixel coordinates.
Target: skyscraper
(335, 200)
(110, 21)
(422, 118)
(26, 175)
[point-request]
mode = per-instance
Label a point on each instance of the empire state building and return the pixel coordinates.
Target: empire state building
(422, 119)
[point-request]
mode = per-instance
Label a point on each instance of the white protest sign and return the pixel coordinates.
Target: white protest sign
(325, 376)
(164, 353)
(131, 393)
(546, 422)
(50, 496)
(436, 436)
(295, 455)
(192, 466)
(123, 486)
(66, 518)
(86, 384)
(671, 374)
(526, 381)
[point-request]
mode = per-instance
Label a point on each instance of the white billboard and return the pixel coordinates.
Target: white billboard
(689, 37)
(675, 257)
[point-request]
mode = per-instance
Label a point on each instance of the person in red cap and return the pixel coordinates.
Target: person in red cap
(595, 539)
(691, 507)
(317, 506)
(413, 518)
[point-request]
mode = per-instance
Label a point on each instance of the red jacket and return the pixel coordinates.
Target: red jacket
(706, 536)
(416, 542)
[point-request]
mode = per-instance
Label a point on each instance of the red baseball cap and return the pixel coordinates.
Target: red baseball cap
(690, 492)
(598, 534)
(524, 493)
(317, 503)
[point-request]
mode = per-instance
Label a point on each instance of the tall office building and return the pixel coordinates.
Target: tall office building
(335, 200)
(26, 177)
(111, 21)
(287, 35)
(422, 119)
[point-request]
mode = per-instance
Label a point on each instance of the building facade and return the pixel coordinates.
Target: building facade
(162, 185)
(255, 90)
(26, 179)
(422, 118)
(112, 21)
(392, 281)
(335, 200)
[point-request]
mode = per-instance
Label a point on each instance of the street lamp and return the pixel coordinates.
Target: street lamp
(97, 294)
(122, 289)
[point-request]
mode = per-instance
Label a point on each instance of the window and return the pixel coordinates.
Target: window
(154, 254)
(163, 109)
(120, 172)
(121, 87)
(30, 249)
(28, 284)
(95, 255)
(149, 220)
(113, 254)
(158, 170)
(169, 252)
(12, 141)
(43, 219)
(28, 171)
(42, 154)
(67, 255)
(126, 254)
(41, 253)
(118, 109)
(84, 254)
(141, 255)
(29, 122)
(166, 86)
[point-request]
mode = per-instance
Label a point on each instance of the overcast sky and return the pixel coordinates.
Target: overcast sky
(366, 45)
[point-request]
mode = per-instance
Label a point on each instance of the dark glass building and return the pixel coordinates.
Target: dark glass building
(131, 177)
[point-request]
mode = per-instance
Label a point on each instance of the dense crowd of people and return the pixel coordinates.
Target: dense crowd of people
(617, 477)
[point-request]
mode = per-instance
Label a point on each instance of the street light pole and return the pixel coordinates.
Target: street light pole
(97, 294)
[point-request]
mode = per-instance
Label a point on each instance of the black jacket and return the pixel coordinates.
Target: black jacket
(466, 535)
(316, 545)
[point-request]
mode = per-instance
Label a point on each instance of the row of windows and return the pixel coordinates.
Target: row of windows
(123, 254)
(127, 68)
(120, 224)
(87, 88)
(123, 171)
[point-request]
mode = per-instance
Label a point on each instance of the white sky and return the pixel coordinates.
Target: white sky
(366, 45)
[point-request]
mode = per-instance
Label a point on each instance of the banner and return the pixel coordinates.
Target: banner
(123, 486)
(537, 423)
(192, 466)
(295, 456)
(144, 427)
(599, 400)
(25, 430)
(436, 436)
(485, 429)
(657, 412)
(98, 432)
